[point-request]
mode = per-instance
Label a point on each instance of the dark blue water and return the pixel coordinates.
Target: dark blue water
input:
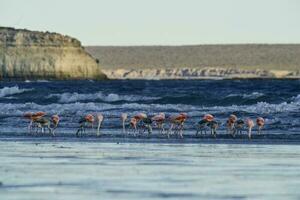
(276, 100)
(145, 168)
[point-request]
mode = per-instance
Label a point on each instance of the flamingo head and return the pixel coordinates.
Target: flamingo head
(27, 115)
(260, 121)
(133, 121)
(232, 118)
(55, 119)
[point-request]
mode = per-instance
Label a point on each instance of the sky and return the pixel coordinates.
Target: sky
(159, 22)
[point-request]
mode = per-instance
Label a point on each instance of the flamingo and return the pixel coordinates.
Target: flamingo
(124, 118)
(213, 127)
(139, 118)
(44, 122)
(200, 126)
(250, 125)
(88, 119)
(179, 121)
(55, 120)
(159, 121)
(133, 124)
(230, 124)
(32, 117)
(260, 123)
(28, 116)
(204, 122)
(238, 126)
(147, 122)
(100, 120)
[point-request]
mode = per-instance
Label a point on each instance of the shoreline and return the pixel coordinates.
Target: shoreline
(208, 73)
(151, 79)
(265, 139)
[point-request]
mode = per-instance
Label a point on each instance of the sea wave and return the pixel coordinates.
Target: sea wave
(253, 95)
(297, 98)
(8, 91)
(81, 107)
(76, 97)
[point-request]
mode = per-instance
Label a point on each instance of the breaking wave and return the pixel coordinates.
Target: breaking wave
(253, 95)
(76, 97)
(75, 107)
(8, 91)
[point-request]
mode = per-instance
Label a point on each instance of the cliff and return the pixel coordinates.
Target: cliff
(28, 54)
(199, 61)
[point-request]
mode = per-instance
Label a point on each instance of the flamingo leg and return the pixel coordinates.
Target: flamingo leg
(170, 130)
(30, 126)
(98, 128)
(197, 130)
(249, 133)
(181, 130)
(123, 124)
(163, 128)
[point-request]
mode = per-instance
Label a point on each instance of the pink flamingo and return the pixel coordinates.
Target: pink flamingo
(250, 125)
(139, 117)
(33, 117)
(88, 119)
(230, 124)
(260, 123)
(159, 121)
(55, 120)
(201, 125)
(43, 122)
(178, 120)
(133, 124)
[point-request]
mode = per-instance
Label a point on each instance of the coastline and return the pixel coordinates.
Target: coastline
(117, 138)
(198, 74)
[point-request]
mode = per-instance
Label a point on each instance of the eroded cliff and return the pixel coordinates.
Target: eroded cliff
(43, 55)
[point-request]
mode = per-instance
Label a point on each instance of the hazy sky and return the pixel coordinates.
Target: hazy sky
(159, 22)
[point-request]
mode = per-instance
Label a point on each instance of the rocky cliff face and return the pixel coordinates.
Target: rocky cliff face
(42, 55)
(195, 73)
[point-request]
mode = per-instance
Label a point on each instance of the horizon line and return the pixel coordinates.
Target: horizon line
(185, 45)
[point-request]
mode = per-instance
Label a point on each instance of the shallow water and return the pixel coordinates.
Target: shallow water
(79, 170)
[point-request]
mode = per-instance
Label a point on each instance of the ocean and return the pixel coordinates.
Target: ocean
(140, 167)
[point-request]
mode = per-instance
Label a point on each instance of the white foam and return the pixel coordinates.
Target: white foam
(42, 81)
(252, 95)
(297, 98)
(79, 108)
(8, 91)
(76, 97)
